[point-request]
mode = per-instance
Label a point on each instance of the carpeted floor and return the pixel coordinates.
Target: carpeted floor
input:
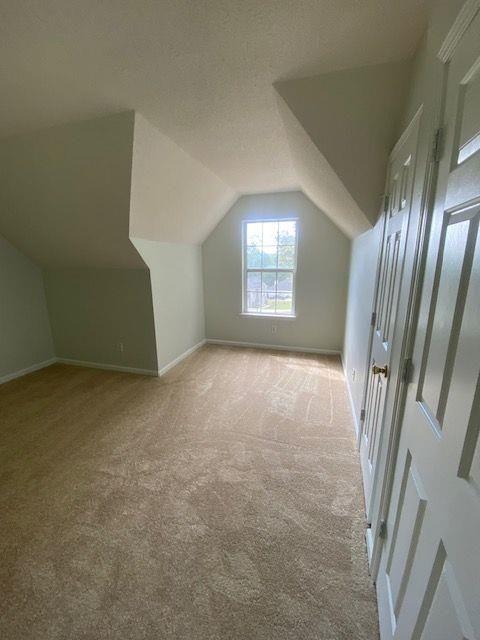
(220, 502)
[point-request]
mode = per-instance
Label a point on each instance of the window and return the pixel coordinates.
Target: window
(269, 266)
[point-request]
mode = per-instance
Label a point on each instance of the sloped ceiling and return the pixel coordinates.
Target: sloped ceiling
(352, 117)
(202, 74)
(174, 198)
(65, 194)
(318, 180)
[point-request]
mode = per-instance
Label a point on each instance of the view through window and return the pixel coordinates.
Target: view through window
(270, 262)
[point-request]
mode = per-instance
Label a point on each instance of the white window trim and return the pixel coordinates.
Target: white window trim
(245, 270)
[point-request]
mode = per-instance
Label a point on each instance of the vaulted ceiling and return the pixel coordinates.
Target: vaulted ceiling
(203, 73)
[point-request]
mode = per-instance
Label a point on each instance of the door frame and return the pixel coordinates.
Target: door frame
(383, 482)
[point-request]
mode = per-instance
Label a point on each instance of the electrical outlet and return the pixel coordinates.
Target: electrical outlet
(274, 328)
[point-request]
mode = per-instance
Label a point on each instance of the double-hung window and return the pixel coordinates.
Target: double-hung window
(269, 267)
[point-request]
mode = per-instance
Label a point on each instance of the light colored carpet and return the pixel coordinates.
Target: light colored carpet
(221, 502)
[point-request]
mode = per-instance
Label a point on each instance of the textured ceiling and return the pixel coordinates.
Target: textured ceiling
(201, 70)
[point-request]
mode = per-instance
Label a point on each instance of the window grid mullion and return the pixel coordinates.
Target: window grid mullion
(262, 269)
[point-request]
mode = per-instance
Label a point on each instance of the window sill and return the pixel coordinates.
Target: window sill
(267, 315)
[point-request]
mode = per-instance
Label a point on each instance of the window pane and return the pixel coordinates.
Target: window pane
(286, 257)
(270, 233)
(268, 302)
(285, 282)
(254, 280)
(269, 258)
(254, 257)
(287, 232)
(284, 302)
(269, 281)
(254, 299)
(254, 234)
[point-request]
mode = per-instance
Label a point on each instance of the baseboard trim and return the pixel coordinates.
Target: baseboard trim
(277, 347)
(27, 370)
(181, 357)
(107, 367)
(356, 426)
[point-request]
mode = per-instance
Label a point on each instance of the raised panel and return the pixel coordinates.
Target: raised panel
(468, 117)
(384, 278)
(374, 417)
(392, 288)
(442, 614)
(408, 525)
(443, 621)
(388, 287)
(463, 408)
(405, 184)
(446, 314)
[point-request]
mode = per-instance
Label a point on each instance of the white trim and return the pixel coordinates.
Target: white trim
(276, 347)
(24, 372)
(246, 269)
(465, 16)
(101, 365)
(414, 122)
(181, 357)
(107, 367)
(245, 314)
(352, 404)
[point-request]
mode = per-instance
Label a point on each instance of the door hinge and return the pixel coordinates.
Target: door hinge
(386, 202)
(373, 319)
(382, 531)
(407, 373)
(437, 150)
(362, 415)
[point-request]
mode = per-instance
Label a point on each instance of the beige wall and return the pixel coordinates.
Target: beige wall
(25, 336)
(177, 294)
(322, 272)
(92, 311)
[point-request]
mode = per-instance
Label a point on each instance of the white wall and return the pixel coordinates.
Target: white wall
(177, 294)
(25, 336)
(361, 285)
(93, 310)
(322, 273)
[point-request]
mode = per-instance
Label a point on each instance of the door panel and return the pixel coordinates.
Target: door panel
(399, 189)
(428, 582)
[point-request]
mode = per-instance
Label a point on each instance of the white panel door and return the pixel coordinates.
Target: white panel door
(400, 180)
(428, 583)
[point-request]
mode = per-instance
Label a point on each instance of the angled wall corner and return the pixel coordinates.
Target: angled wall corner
(177, 296)
(318, 180)
(174, 197)
(65, 197)
(352, 117)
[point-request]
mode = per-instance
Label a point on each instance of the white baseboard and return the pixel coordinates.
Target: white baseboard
(107, 367)
(24, 372)
(352, 404)
(181, 357)
(101, 365)
(277, 347)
